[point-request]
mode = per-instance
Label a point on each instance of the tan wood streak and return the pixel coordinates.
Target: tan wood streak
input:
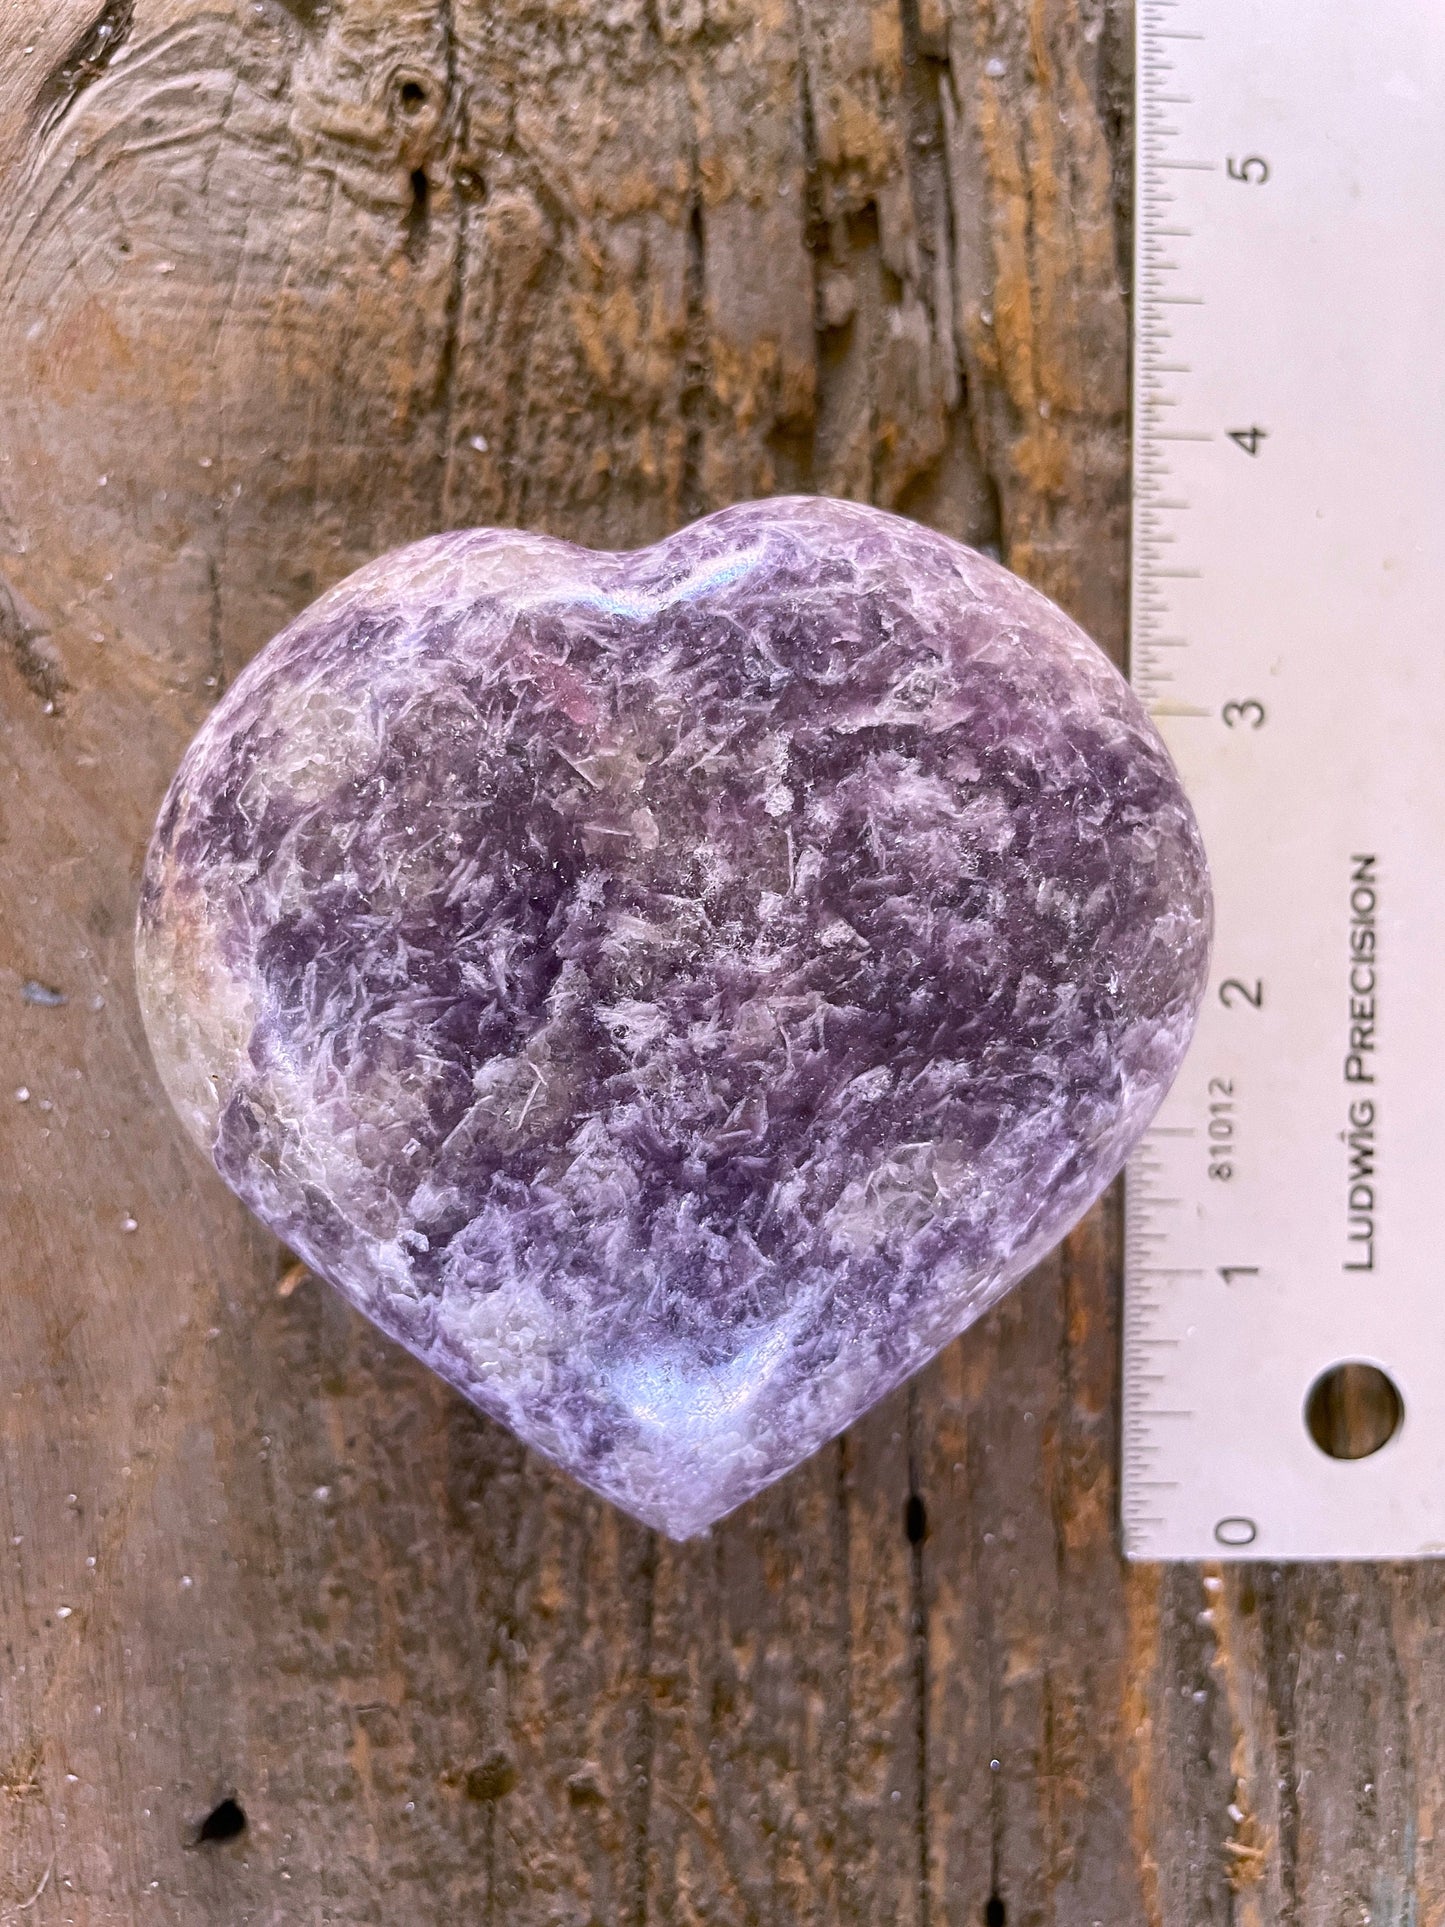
(604, 267)
(1141, 1594)
(1251, 1841)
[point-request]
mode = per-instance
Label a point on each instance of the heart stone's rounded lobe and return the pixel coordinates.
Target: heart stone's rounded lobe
(674, 993)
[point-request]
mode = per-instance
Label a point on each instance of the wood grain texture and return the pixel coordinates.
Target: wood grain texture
(283, 283)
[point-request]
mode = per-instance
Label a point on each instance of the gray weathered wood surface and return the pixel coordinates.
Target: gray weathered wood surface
(284, 283)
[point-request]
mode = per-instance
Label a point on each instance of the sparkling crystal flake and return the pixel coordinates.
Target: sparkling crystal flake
(674, 993)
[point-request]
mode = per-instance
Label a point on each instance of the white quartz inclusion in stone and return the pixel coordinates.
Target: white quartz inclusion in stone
(674, 993)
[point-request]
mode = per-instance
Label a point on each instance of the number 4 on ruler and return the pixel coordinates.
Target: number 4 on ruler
(1249, 439)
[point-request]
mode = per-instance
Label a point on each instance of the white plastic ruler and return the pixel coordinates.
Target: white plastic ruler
(1286, 1214)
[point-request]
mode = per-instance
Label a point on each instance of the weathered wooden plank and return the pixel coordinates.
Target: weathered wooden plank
(283, 282)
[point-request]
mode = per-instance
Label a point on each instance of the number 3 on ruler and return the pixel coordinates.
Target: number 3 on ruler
(1249, 711)
(1233, 993)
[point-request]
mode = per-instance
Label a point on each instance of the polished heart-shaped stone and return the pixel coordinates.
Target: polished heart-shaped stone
(673, 993)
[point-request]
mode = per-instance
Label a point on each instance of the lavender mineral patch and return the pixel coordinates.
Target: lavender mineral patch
(674, 993)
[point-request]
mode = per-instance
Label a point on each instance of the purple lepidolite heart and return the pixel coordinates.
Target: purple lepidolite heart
(674, 993)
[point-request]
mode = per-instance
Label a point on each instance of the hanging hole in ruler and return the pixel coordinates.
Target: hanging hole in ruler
(1352, 1410)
